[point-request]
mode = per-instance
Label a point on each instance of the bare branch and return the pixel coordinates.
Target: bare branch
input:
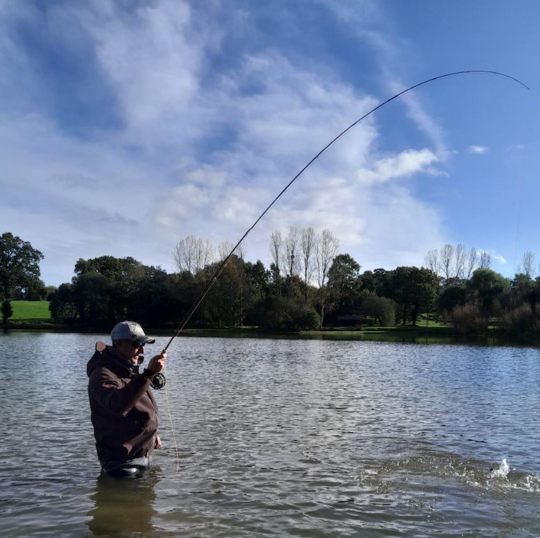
(460, 259)
(485, 260)
(432, 260)
(447, 256)
(291, 251)
(528, 264)
(472, 262)
(276, 249)
(327, 248)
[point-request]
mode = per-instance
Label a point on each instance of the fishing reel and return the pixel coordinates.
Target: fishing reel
(158, 382)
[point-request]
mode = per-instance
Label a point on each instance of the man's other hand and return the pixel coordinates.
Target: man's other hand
(157, 363)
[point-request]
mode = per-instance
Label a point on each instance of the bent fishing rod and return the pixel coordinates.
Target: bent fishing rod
(223, 264)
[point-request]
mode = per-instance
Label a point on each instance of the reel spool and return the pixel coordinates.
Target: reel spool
(159, 381)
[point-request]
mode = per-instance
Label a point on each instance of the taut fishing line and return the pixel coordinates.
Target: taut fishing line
(220, 269)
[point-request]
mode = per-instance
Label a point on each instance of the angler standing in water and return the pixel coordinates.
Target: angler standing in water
(123, 409)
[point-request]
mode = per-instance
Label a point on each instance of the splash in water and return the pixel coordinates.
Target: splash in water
(502, 471)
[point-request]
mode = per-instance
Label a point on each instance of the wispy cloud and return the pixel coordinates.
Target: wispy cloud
(477, 150)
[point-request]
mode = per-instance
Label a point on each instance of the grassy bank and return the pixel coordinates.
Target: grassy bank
(30, 312)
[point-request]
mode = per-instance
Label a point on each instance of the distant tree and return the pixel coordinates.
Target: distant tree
(380, 308)
(472, 262)
(157, 300)
(120, 278)
(447, 261)
(528, 265)
(485, 260)
(415, 290)
(49, 290)
(326, 250)
(286, 314)
(224, 249)
(292, 258)
(192, 254)
(343, 283)
(307, 245)
(35, 291)
(276, 255)
(452, 296)
(460, 261)
(256, 287)
(19, 264)
(223, 303)
(62, 304)
(93, 295)
(7, 310)
(431, 260)
(486, 285)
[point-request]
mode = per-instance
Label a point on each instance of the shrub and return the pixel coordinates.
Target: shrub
(468, 319)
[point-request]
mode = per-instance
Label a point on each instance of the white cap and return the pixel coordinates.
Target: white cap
(129, 330)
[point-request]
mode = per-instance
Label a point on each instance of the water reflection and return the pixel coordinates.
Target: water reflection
(123, 507)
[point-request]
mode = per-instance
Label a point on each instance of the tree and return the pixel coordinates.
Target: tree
(193, 254)
(452, 296)
(344, 283)
(472, 262)
(431, 260)
(487, 285)
(120, 278)
(415, 291)
(485, 260)
(326, 250)
(528, 264)
(7, 310)
(62, 304)
(276, 254)
(19, 264)
(380, 308)
(291, 251)
(224, 249)
(307, 245)
(447, 258)
(460, 261)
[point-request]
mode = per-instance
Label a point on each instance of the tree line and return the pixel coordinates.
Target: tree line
(308, 285)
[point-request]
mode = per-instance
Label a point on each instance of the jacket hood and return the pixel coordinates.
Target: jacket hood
(108, 358)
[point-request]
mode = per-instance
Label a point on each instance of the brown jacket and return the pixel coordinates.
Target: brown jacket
(124, 412)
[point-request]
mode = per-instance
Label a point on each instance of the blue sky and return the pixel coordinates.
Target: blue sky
(128, 125)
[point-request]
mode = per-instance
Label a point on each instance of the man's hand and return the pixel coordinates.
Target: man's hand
(157, 363)
(158, 442)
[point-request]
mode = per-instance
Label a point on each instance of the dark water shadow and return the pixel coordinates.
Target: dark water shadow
(123, 507)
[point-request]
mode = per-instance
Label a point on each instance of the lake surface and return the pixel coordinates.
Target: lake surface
(283, 438)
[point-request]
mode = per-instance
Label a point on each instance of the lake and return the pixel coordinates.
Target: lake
(279, 437)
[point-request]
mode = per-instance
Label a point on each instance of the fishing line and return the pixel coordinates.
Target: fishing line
(220, 269)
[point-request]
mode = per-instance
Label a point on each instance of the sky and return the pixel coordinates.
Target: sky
(126, 126)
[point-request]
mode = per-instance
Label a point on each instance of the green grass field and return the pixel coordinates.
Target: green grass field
(30, 310)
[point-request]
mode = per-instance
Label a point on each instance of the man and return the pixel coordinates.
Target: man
(124, 412)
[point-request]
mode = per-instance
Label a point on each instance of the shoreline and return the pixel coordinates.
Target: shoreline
(405, 334)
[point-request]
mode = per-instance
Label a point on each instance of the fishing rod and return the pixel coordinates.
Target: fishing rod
(220, 269)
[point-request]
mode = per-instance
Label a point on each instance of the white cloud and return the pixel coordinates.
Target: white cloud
(498, 258)
(477, 150)
(405, 164)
